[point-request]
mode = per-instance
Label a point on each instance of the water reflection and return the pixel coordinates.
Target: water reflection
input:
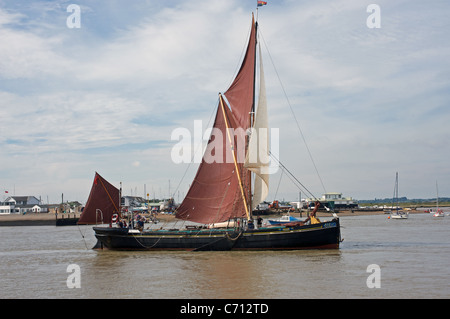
(413, 262)
(205, 274)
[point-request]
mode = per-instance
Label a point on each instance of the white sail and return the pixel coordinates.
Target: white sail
(257, 158)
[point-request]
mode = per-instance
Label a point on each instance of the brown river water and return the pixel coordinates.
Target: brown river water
(412, 257)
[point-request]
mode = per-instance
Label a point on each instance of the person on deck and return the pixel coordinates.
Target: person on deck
(312, 216)
(140, 224)
(259, 221)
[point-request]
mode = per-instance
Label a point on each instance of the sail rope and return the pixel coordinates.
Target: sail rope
(208, 244)
(112, 201)
(293, 113)
(83, 235)
(147, 247)
(235, 238)
(278, 186)
(227, 236)
(293, 178)
(200, 146)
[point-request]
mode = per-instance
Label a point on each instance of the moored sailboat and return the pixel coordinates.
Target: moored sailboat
(398, 213)
(226, 189)
(439, 212)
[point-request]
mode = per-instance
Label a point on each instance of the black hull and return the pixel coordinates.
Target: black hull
(318, 236)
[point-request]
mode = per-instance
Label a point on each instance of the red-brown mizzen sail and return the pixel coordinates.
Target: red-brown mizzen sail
(218, 190)
(103, 202)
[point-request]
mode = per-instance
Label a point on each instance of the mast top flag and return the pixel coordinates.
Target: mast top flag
(261, 3)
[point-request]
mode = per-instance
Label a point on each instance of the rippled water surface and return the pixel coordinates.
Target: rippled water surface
(413, 256)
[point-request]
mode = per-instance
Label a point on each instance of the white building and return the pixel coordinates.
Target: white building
(22, 205)
(6, 209)
(21, 200)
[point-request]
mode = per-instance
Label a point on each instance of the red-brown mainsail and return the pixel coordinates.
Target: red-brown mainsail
(220, 189)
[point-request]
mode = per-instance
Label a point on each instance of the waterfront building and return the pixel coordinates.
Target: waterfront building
(22, 205)
(335, 201)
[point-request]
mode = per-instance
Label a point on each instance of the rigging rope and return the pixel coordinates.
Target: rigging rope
(147, 247)
(82, 235)
(195, 151)
(279, 182)
(293, 114)
(300, 185)
(112, 201)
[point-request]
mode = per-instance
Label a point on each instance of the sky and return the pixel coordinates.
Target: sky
(106, 96)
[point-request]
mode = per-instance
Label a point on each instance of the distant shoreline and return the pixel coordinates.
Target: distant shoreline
(360, 212)
(36, 219)
(49, 219)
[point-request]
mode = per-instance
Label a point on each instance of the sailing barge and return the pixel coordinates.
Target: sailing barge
(222, 190)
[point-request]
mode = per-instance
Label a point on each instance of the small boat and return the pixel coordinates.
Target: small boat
(439, 212)
(398, 213)
(284, 220)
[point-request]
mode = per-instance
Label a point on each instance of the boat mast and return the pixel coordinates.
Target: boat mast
(120, 201)
(254, 68)
(234, 156)
(396, 190)
(252, 115)
(437, 197)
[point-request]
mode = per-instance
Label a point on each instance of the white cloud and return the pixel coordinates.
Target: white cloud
(27, 55)
(107, 96)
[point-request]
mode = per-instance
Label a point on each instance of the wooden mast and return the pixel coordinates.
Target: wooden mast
(234, 156)
(252, 115)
